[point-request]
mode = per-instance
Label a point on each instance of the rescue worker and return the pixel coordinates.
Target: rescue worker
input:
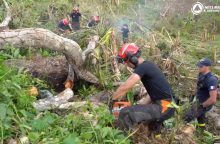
(64, 26)
(94, 21)
(75, 17)
(206, 95)
(125, 32)
(155, 83)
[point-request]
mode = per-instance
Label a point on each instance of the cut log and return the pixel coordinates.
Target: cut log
(42, 38)
(54, 102)
(91, 46)
(53, 70)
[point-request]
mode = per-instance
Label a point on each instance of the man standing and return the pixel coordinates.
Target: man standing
(75, 16)
(206, 95)
(155, 83)
(125, 31)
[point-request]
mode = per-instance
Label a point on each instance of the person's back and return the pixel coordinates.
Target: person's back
(94, 21)
(154, 81)
(125, 31)
(63, 25)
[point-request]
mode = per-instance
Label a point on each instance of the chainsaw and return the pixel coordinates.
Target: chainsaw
(117, 106)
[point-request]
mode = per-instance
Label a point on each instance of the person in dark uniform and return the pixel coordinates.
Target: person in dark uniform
(64, 26)
(206, 95)
(155, 83)
(75, 16)
(94, 21)
(125, 32)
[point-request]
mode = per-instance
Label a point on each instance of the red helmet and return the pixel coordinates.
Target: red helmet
(96, 18)
(65, 22)
(126, 51)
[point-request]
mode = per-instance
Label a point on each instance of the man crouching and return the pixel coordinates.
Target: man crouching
(155, 83)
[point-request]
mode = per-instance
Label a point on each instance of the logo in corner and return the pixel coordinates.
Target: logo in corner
(197, 8)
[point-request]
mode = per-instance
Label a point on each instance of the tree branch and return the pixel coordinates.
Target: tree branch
(42, 38)
(91, 46)
(4, 24)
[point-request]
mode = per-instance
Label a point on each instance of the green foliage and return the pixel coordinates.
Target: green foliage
(18, 117)
(205, 137)
(15, 103)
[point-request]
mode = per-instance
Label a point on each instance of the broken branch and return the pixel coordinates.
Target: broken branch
(4, 24)
(42, 38)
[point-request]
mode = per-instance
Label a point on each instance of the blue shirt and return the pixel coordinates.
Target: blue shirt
(205, 84)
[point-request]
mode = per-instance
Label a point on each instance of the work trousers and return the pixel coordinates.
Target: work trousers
(130, 116)
(197, 111)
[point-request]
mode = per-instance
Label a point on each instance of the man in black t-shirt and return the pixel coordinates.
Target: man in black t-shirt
(155, 83)
(75, 16)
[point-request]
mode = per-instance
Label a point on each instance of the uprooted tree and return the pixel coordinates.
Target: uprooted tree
(42, 38)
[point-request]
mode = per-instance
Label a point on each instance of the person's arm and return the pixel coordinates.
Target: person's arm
(212, 99)
(213, 92)
(124, 88)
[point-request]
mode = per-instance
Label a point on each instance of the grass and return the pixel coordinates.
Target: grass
(18, 117)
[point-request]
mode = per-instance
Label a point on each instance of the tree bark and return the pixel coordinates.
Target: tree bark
(53, 70)
(42, 38)
(54, 102)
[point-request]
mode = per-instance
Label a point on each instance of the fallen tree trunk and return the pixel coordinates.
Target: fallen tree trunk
(53, 70)
(42, 38)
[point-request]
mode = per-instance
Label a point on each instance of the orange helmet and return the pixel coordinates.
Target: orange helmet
(127, 51)
(65, 22)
